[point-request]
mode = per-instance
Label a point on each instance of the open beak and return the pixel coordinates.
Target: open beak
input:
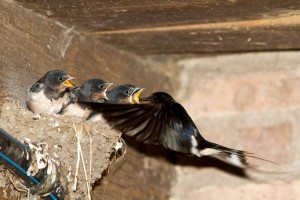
(68, 82)
(135, 95)
(107, 85)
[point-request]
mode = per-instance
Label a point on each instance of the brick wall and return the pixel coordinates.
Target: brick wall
(248, 102)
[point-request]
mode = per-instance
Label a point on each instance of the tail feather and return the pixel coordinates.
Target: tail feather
(234, 157)
(238, 160)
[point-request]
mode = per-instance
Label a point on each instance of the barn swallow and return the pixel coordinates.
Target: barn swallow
(49, 94)
(122, 94)
(126, 93)
(92, 90)
(160, 120)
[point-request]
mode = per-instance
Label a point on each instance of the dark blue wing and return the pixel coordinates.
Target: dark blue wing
(166, 124)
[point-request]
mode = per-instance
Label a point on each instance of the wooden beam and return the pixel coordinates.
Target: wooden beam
(209, 40)
(285, 21)
(154, 27)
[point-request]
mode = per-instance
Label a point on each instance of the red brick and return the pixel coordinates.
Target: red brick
(254, 191)
(249, 102)
(269, 142)
(259, 91)
(272, 136)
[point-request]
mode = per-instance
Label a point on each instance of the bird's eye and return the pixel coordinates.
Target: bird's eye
(60, 78)
(126, 92)
(101, 86)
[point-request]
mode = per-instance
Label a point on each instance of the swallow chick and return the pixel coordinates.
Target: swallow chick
(126, 93)
(92, 90)
(49, 94)
(160, 120)
(122, 94)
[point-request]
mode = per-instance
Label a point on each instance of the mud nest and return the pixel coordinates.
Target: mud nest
(97, 141)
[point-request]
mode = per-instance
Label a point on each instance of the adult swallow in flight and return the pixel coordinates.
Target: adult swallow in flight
(160, 120)
(49, 94)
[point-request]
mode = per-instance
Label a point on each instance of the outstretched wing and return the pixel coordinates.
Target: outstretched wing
(166, 124)
(170, 125)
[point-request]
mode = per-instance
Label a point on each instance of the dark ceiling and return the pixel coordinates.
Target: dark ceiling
(160, 26)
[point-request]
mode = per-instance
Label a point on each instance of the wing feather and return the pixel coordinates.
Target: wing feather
(166, 124)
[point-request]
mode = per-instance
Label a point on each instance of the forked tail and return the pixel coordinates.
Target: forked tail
(234, 157)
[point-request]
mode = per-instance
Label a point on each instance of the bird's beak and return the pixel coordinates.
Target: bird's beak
(106, 86)
(102, 94)
(135, 95)
(68, 82)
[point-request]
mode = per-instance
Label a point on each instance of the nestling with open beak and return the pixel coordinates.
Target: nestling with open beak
(122, 94)
(126, 93)
(49, 94)
(92, 90)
